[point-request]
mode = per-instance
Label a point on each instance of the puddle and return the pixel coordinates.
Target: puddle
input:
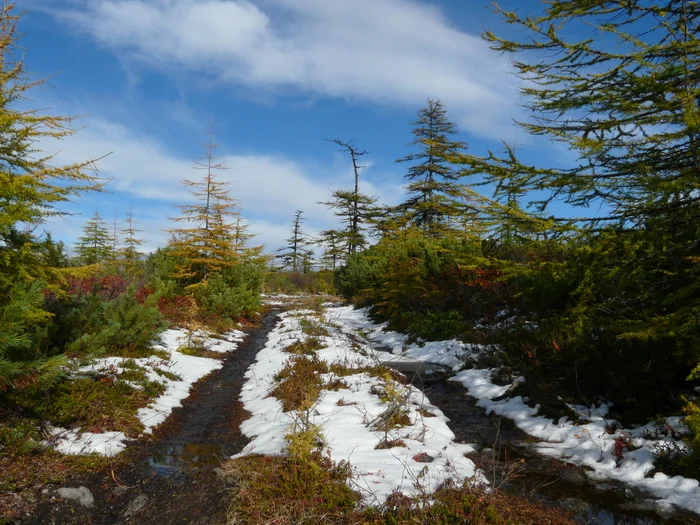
(421, 373)
(174, 459)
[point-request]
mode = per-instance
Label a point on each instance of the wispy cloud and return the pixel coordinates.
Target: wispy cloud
(143, 170)
(387, 52)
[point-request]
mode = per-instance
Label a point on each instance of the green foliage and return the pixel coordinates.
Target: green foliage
(95, 245)
(21, 438)
(429, 287)
(432, 187)
(87, 324)
(160, 266)
(289, 283)
(210, 237)
(92, 404)
(228, 301)
(22, 330)
(31, 184)
(296, 253)
(691, 463)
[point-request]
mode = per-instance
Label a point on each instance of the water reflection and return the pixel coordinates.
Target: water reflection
(172, 459)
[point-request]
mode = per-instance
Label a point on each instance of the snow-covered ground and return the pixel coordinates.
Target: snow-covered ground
(187, 370)
(345, 418)
(450, 353)
(588, 444)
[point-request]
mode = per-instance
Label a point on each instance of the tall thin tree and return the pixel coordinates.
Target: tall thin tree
(433, 188)
(354, 208)
(205, 242)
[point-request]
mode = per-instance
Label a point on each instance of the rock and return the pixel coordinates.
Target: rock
(574, 477)
(137, 505)
(80, 495)
(119, 490)
(575, 505)
(487, 451)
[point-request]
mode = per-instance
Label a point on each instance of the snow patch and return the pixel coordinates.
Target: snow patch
(188, 369)
(347, 429)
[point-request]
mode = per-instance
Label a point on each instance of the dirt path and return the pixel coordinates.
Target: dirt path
(172, 479)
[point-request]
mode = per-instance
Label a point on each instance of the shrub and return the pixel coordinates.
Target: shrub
(87, 324)
(93, 405)
(218, 298)
(23, 329)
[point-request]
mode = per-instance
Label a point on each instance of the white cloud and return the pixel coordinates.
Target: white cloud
(386, 52)
(269, 187)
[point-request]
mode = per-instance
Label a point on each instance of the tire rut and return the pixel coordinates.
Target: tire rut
(174, 475)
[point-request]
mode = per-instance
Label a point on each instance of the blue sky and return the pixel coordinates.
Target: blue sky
(278, 77)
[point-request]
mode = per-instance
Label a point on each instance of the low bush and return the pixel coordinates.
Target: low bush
(300, 382)
(288, 490)
(216, 297)
(94, 405)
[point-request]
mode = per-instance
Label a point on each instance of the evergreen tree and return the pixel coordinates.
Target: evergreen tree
(354, 208)
(432, 187)
(206, 243)
(626, 99)
(242, 237)
(116, 238)
(130, 244)
(333, 251)
(53, 253)
(95, 245)
(32, 186)
(294, 254)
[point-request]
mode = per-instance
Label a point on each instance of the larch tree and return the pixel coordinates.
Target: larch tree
(206, 241)
(295, 254)
(432, 188)
(616, 83)
(129, 251)
(32, 185)
(334, 252)
(94, 246)
(32, 188)
(241, 239)
(354, 209)
(116, 237)
(625, 98)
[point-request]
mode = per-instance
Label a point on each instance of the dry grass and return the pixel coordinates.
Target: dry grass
(300, 383)
(308, 346)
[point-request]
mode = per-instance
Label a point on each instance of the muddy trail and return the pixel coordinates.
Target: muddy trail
(505, 456)
(173, 478)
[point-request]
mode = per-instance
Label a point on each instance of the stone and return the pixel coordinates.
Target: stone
(80, 495)
(574, 477)
(225, 477)
(575, 505)
(137, 505)
(119, 490)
